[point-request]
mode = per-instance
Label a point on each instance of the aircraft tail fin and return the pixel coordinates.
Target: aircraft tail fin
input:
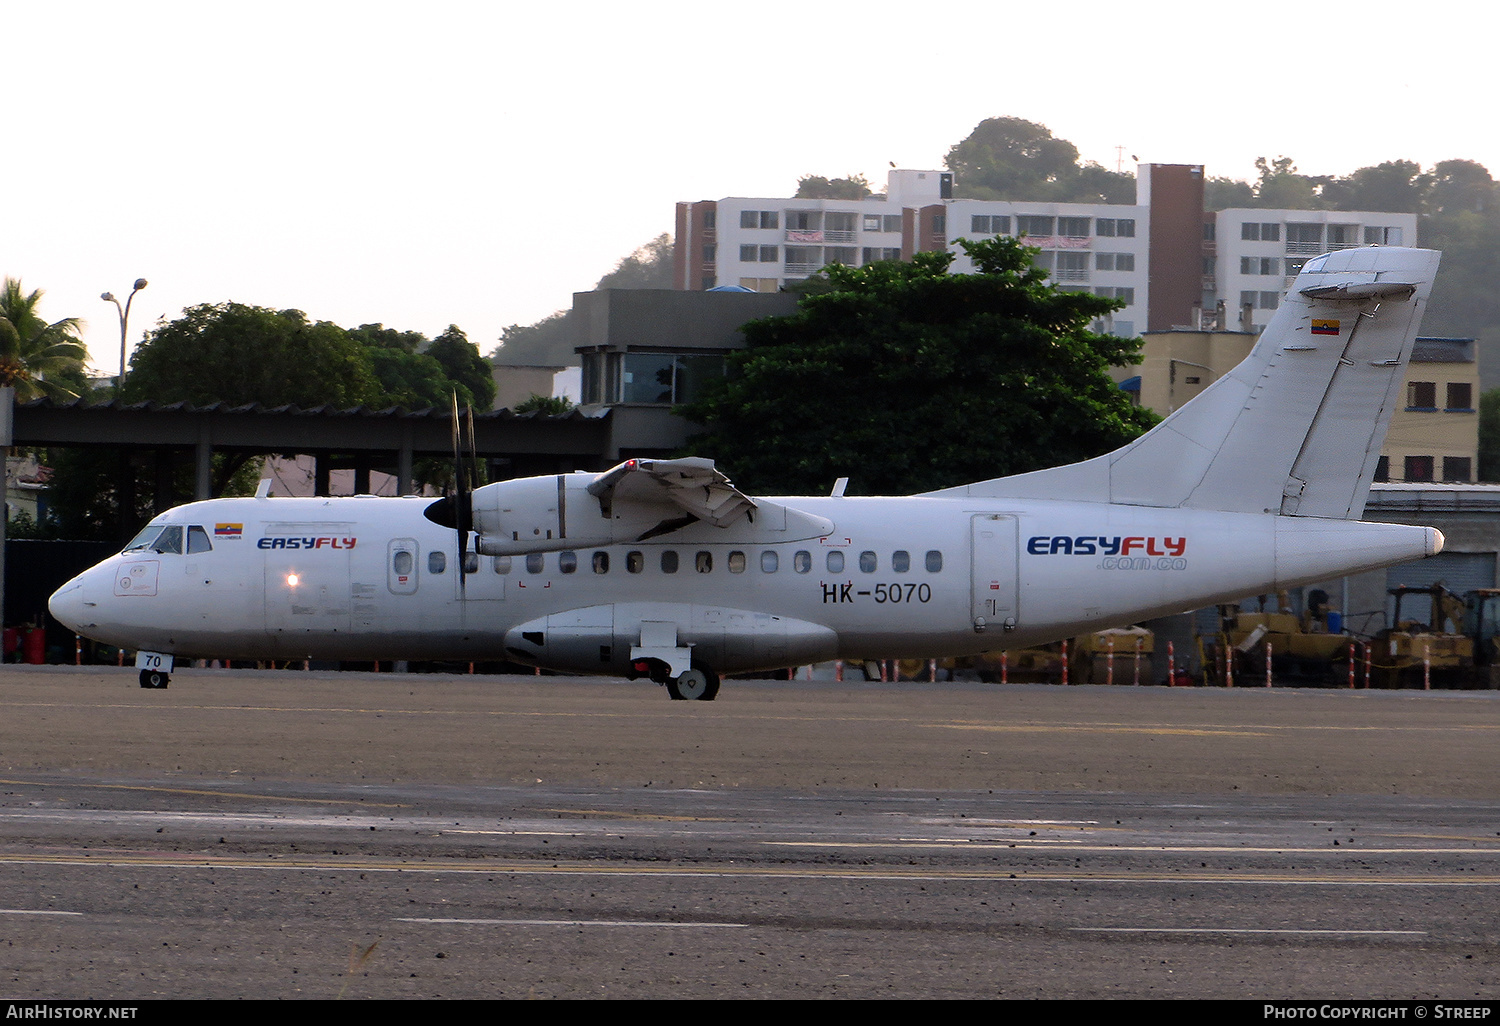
(1297, 427)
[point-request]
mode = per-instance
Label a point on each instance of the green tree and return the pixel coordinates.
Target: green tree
(649, 267)
(855, 187)
(550, 341)
(472, 374)
(1281, 186)
(38, 358)
(1489, 435)
(229, 352)
(1396, 185)
(378, 336)
(414, 381)
(1456, 186)
(1220, 193)
(1015, 159)
(547, 405)
(904, 377)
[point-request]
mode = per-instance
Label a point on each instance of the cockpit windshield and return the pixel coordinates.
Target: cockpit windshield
(141, 542)
(168, 538)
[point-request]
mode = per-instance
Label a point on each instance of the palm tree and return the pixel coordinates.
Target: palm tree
(36, 356)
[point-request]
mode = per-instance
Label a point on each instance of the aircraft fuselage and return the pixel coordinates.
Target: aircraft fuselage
(364, 577)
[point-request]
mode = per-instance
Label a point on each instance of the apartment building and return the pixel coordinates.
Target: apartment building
(1170, 263)
(1252, 255)
(1434, 432)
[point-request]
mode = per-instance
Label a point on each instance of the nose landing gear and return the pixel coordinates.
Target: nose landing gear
(696, 683)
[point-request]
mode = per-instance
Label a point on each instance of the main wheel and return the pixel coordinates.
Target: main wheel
(698, 684)
(154, 679)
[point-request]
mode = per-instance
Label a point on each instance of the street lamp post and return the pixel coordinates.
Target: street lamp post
(124, 312)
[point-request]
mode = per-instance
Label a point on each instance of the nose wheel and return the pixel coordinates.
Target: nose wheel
(698, 684)
(154, 679)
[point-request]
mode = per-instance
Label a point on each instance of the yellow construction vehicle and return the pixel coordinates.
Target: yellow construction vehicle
(1426, 641)
(1089, 660)
(1310, 649)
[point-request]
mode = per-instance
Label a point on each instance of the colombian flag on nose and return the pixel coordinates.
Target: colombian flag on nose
(1325, 327)
(228, 530)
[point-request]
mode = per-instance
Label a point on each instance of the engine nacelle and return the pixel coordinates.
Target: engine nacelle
(634, 502)
(547, 514)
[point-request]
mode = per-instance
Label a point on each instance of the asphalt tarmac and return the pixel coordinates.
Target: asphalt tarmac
(285, 834)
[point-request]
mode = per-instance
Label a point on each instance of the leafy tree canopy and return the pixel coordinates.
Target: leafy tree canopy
(1220, 193)
(248, 354)
(547, 343)
(550, 341)
(38, 358)
(904, 378)
(413, 380)
(463, 366)
(649, 267)
(547, 405)
(855, 187)
(1489, 435)
(1015, 159)
(1280, 185)
(378, 336)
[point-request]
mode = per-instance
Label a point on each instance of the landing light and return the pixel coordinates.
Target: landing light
(291, 579)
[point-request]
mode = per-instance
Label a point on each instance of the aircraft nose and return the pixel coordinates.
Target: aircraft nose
(67, 605)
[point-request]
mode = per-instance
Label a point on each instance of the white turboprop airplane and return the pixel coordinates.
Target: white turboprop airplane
(661, 568)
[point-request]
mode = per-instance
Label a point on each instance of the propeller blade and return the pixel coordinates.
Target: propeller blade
(463, 512)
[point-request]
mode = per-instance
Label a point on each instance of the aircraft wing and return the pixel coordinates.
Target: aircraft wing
(691, 484)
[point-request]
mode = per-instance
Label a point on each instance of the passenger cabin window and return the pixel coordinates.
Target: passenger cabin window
(401, 562)
(769, 562)
(437, 562)
(867, 562)
(534, 562)
(634, 562)
(934, 561)
(198, 539)
(601, 562)
(901, 561)
(835, 562)
(736, 562)
(669, 561)
(567, 562)
(502, 564)
(471, 562)
(704, 562)
(802, 561)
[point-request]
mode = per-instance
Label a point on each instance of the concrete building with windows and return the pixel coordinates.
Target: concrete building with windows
(1172, 264)
(1434, 433)
(1250, 256)
(646, 350)
(1434, 436)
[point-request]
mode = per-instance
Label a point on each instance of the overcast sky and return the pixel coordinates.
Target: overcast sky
(476, 163)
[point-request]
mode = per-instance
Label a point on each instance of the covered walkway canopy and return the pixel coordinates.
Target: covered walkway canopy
(387, 439)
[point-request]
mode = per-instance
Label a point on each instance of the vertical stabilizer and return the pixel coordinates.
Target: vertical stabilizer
(1297, 427)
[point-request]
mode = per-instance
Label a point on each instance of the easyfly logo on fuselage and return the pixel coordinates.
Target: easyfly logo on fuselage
(1098, 545)
(321, 542)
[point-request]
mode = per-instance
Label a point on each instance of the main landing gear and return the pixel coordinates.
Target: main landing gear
(155, 679)
(698, 684)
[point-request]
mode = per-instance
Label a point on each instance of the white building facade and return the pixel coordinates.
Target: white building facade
(1171, 264)
(1251, 255)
